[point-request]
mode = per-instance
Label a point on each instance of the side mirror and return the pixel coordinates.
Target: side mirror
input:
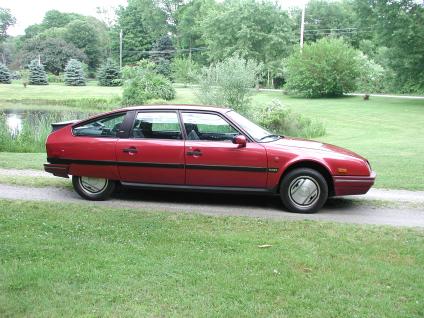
(240, 140)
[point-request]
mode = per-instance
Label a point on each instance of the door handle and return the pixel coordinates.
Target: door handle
(196, 152)
(130, 150)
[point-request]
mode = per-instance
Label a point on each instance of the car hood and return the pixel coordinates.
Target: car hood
(313, 145)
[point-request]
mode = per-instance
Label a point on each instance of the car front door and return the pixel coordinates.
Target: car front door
(154, 151)
(213, 160)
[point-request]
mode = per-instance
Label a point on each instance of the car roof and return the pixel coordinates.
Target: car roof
(179, 107)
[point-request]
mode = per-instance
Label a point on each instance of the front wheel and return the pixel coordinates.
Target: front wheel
(304, 190)
(95, 189)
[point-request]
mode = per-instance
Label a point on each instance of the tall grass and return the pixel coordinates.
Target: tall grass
(34, 132)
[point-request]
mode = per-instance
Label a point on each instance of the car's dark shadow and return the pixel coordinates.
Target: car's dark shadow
(218, 199)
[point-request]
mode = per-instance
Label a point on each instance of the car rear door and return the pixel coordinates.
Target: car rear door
(90, 150)
(213, 160)
(154, 151)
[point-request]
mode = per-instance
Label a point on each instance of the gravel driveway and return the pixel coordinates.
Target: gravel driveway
(344, 210)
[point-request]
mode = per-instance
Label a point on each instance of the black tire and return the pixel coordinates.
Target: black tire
(313, 190)
(90, 193)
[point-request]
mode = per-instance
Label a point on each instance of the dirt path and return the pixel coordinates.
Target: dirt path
(344, 210)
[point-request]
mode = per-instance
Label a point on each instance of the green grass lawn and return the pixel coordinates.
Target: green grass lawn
(81, 260)
(388, 131)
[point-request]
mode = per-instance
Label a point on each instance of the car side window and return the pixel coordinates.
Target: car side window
(156, 125)
(104, 127)
(209, 127)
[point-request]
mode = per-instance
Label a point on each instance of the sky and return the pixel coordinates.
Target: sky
(29, 12)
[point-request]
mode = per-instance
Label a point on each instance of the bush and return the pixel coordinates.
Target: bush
(229, 83)
(143, 84)
(37, 74)
(328, 67)
(109, 74)
(372, 76)
(74, 73)
(163, 67)
(184, 70)
(52, 78)
(5, 77)
(281, 120)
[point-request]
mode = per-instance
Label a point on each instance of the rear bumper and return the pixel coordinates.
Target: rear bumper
(58, 170)
(351, 185)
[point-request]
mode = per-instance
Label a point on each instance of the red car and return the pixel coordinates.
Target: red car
(198, 148)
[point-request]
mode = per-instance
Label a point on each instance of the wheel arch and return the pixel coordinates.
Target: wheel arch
(320, 167)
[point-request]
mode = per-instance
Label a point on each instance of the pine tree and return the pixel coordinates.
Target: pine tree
(109, 74)
(4, 74)
(37, 74)
(74, 74)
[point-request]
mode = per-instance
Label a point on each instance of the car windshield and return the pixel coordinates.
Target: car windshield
(257, 132)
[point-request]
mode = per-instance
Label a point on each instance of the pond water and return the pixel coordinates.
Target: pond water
(14, 120)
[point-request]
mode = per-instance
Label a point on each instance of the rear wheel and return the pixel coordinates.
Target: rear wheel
(303, 190)
(95, 189)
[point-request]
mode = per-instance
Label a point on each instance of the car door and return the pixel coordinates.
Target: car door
(154, 151)
(213, 160)
(91, 149)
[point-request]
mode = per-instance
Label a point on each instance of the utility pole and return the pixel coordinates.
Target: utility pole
(302, 27)
(39, 59)
(120, 48)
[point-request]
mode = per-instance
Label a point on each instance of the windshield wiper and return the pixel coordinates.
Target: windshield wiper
(269, 136)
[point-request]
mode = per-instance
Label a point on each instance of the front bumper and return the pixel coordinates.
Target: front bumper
(351, 185)
(58, 170)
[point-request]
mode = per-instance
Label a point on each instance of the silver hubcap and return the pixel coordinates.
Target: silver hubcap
(92, 185)
(304, 191)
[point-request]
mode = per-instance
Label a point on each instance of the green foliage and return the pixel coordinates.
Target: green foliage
(142, 84)
(55, 53)
(191, 17)
(84, 35)
(163, 67)
(6, 21)
(53, 78)
(5, 77)
(74, 74)
(142, 22)
(229, 83)
(399, 26)
(335, 18)
(253, 29)
(184, 70)
(371, 76)
(280, 120)
(109, 74)
(163, 49)
(328, 67)
(37, 74)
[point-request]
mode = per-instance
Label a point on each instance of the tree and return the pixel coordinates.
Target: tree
(4, 74)
(55, 53)
(163, 49)
(335, 18)
(328, 67)
(142, 22)
(229, 83)
(84, 36)
(37, 74)
(57, 19)
(6, 20)
(109, 74)
(74, 74)
(189, 31)
(254, 30)
(399, 26)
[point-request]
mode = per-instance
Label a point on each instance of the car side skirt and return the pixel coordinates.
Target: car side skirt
(241, 190)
